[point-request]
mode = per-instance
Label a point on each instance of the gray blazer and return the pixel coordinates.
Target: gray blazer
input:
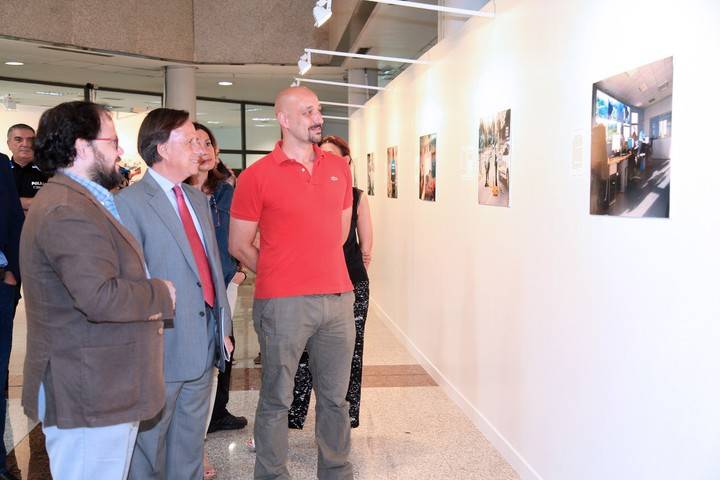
(146, 211)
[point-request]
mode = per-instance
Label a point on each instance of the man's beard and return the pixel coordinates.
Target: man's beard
(315, 137)
(108, 178)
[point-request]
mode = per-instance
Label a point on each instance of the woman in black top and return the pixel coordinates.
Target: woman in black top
(357, 248)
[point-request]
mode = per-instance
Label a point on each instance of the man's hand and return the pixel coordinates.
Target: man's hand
(228, 345)
(9, 278)
(171, 290)
(239, 277)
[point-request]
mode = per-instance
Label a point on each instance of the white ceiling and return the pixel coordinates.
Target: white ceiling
(642, 86)
(390, 30)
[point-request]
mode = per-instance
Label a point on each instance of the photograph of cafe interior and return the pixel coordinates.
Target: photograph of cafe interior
(630, 142)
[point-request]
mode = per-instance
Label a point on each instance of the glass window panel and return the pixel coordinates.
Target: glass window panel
(223, 119)
(232, 160)
(128, 110)
(261, 127)
(25, 102)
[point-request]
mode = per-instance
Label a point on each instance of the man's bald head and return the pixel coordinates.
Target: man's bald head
(297, 110)
(289, 97)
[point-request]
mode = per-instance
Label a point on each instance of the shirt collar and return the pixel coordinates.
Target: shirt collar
(29, 166)
(165, 184)
(94, 187)
(279, 156)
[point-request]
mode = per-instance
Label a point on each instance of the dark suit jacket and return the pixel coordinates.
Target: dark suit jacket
(94, 320)
(11, 217)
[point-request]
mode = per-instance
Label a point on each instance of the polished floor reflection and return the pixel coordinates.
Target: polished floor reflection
(408, 427)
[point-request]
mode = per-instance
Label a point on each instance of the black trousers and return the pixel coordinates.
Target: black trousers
(222, 396)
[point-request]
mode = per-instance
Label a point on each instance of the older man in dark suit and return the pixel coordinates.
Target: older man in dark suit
(93, 368)
(11, 220)
(172, 222)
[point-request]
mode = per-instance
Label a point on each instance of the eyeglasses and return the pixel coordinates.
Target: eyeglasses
(115, 141)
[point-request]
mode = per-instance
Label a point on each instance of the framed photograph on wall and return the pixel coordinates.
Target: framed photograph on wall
(371, 174)
(428, 167)
(630, 138)
(392, 172)
(494, 160)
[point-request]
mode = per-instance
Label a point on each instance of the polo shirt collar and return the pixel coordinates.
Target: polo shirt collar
(29, 166)
(279, 156)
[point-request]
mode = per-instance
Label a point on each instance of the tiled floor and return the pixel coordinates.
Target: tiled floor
(409, 429)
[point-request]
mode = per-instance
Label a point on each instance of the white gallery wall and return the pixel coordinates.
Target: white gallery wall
(584, 347)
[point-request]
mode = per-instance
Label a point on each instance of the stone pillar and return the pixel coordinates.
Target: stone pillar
(449, 23)
(180, 89)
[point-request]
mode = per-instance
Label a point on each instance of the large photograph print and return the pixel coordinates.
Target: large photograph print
(428, 170)
(392, 172)
(371, 174)
(630, 142)
(494, 160)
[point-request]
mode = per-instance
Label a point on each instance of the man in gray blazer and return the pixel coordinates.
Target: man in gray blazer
(172, 223)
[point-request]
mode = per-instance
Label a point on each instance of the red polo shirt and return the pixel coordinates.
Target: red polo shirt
(300, 220)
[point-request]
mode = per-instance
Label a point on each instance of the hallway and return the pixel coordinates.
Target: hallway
(408, 428)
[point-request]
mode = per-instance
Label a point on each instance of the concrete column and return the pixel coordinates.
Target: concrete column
(448, 23)
(180, 89)
(362, 76)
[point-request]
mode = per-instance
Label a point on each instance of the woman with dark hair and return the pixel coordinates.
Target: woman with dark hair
(357, 248)
(214, 182)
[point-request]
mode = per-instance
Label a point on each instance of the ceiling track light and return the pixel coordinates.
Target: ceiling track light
(340, 84)
(333, 117)
(304, 63)
(436, 8)
(322, 12)
(338, 104)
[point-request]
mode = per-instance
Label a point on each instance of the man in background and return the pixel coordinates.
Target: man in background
(28, 176)
(11, 220)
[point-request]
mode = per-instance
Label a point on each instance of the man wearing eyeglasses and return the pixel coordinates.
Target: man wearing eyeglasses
(29, 179)
(93, 369)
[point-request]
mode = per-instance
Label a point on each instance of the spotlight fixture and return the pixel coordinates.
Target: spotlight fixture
(322, 12)
(295, 83)
(224, 83)
(436, 8)
(340, 84)
(304, 63)
(14, 63)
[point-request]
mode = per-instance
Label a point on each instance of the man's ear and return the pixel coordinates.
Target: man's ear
(282, 119)
(81, 149)
(162, 151)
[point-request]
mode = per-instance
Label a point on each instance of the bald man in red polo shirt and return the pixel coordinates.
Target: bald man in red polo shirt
(300, 198)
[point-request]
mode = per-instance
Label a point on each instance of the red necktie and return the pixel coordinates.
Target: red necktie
(196, 246)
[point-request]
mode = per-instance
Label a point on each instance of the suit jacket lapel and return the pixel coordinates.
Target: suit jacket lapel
(169, 217)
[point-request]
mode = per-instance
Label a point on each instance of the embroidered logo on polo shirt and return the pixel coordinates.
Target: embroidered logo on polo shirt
(333, 178)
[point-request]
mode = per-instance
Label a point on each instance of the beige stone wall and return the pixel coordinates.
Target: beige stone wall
(153, 28)
(255, 31)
